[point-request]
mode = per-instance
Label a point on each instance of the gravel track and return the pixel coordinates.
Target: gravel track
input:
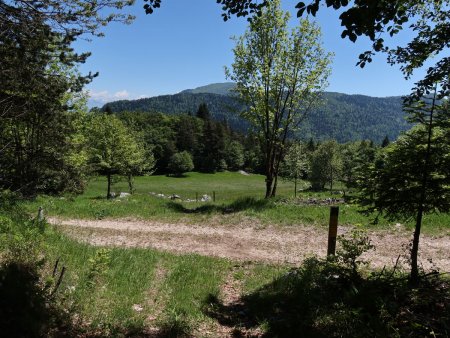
(250, 242)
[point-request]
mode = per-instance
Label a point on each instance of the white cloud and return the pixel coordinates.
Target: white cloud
(99, 98)
(105, 96)
(121, 95)
(102, 96)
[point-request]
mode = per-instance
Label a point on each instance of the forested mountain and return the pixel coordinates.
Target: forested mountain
(356, 117)
(222, 107)
(213, 88)
(341, 117)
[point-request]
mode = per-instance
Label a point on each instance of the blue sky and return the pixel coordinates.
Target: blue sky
(186, 44)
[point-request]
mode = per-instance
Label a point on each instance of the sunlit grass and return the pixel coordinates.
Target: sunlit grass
(237, 197)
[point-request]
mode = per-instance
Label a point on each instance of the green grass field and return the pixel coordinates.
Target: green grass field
(237, 197)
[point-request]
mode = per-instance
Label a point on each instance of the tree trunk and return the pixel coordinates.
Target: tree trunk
(331, 181)
(295, 186)
(108, 194)
(269, 181)
(130, 183)
(269, 171)
(274, 187)
(414, 278)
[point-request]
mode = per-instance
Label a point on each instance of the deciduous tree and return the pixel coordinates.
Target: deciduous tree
(180, 163)
(234, 155)
(113, 150)
(295, 164)
(280, 76)
(325, 165)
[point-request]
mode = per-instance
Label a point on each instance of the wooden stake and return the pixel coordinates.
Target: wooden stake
(332, 230)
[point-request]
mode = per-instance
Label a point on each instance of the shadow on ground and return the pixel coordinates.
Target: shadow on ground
(26, 309)
(30, 309)
(241, 204)
(323, 300)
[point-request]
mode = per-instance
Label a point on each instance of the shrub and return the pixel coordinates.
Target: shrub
(180, 163)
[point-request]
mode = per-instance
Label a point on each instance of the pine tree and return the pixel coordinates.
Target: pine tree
(203, 112)
(411, 177)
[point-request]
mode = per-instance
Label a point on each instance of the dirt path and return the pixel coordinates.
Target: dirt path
(271, 244)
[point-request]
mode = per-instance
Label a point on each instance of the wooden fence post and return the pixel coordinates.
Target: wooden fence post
(332, 230)
(214, 196)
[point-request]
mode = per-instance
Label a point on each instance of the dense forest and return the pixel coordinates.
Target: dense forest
(340, 116)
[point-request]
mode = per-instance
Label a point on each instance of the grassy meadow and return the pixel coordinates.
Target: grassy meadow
(237, 197)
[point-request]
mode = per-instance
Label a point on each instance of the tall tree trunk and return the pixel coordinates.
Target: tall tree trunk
(108, 194)
(414, 278)
(277, 156)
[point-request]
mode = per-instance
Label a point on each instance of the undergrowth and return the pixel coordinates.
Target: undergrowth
(334, 297)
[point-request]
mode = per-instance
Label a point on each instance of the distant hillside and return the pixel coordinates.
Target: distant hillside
(222, 107)
(355, 117)
(342, 117)
(213, 88)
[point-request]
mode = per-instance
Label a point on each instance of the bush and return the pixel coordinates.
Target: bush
(234, 155)
(180, 163)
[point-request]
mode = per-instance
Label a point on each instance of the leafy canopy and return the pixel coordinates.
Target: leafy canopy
(279, 75)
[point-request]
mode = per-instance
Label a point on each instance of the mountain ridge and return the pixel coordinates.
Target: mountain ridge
(344, 117)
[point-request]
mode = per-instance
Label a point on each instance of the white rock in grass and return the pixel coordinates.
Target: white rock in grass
(124, 194)
(205, 198)
(137, 307)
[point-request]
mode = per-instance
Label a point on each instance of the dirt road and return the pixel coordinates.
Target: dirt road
(250, 242)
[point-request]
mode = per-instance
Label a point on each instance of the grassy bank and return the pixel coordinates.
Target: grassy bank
(106, 291)
(138, 292)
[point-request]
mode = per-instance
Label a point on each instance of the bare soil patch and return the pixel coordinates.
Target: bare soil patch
(250, 242)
